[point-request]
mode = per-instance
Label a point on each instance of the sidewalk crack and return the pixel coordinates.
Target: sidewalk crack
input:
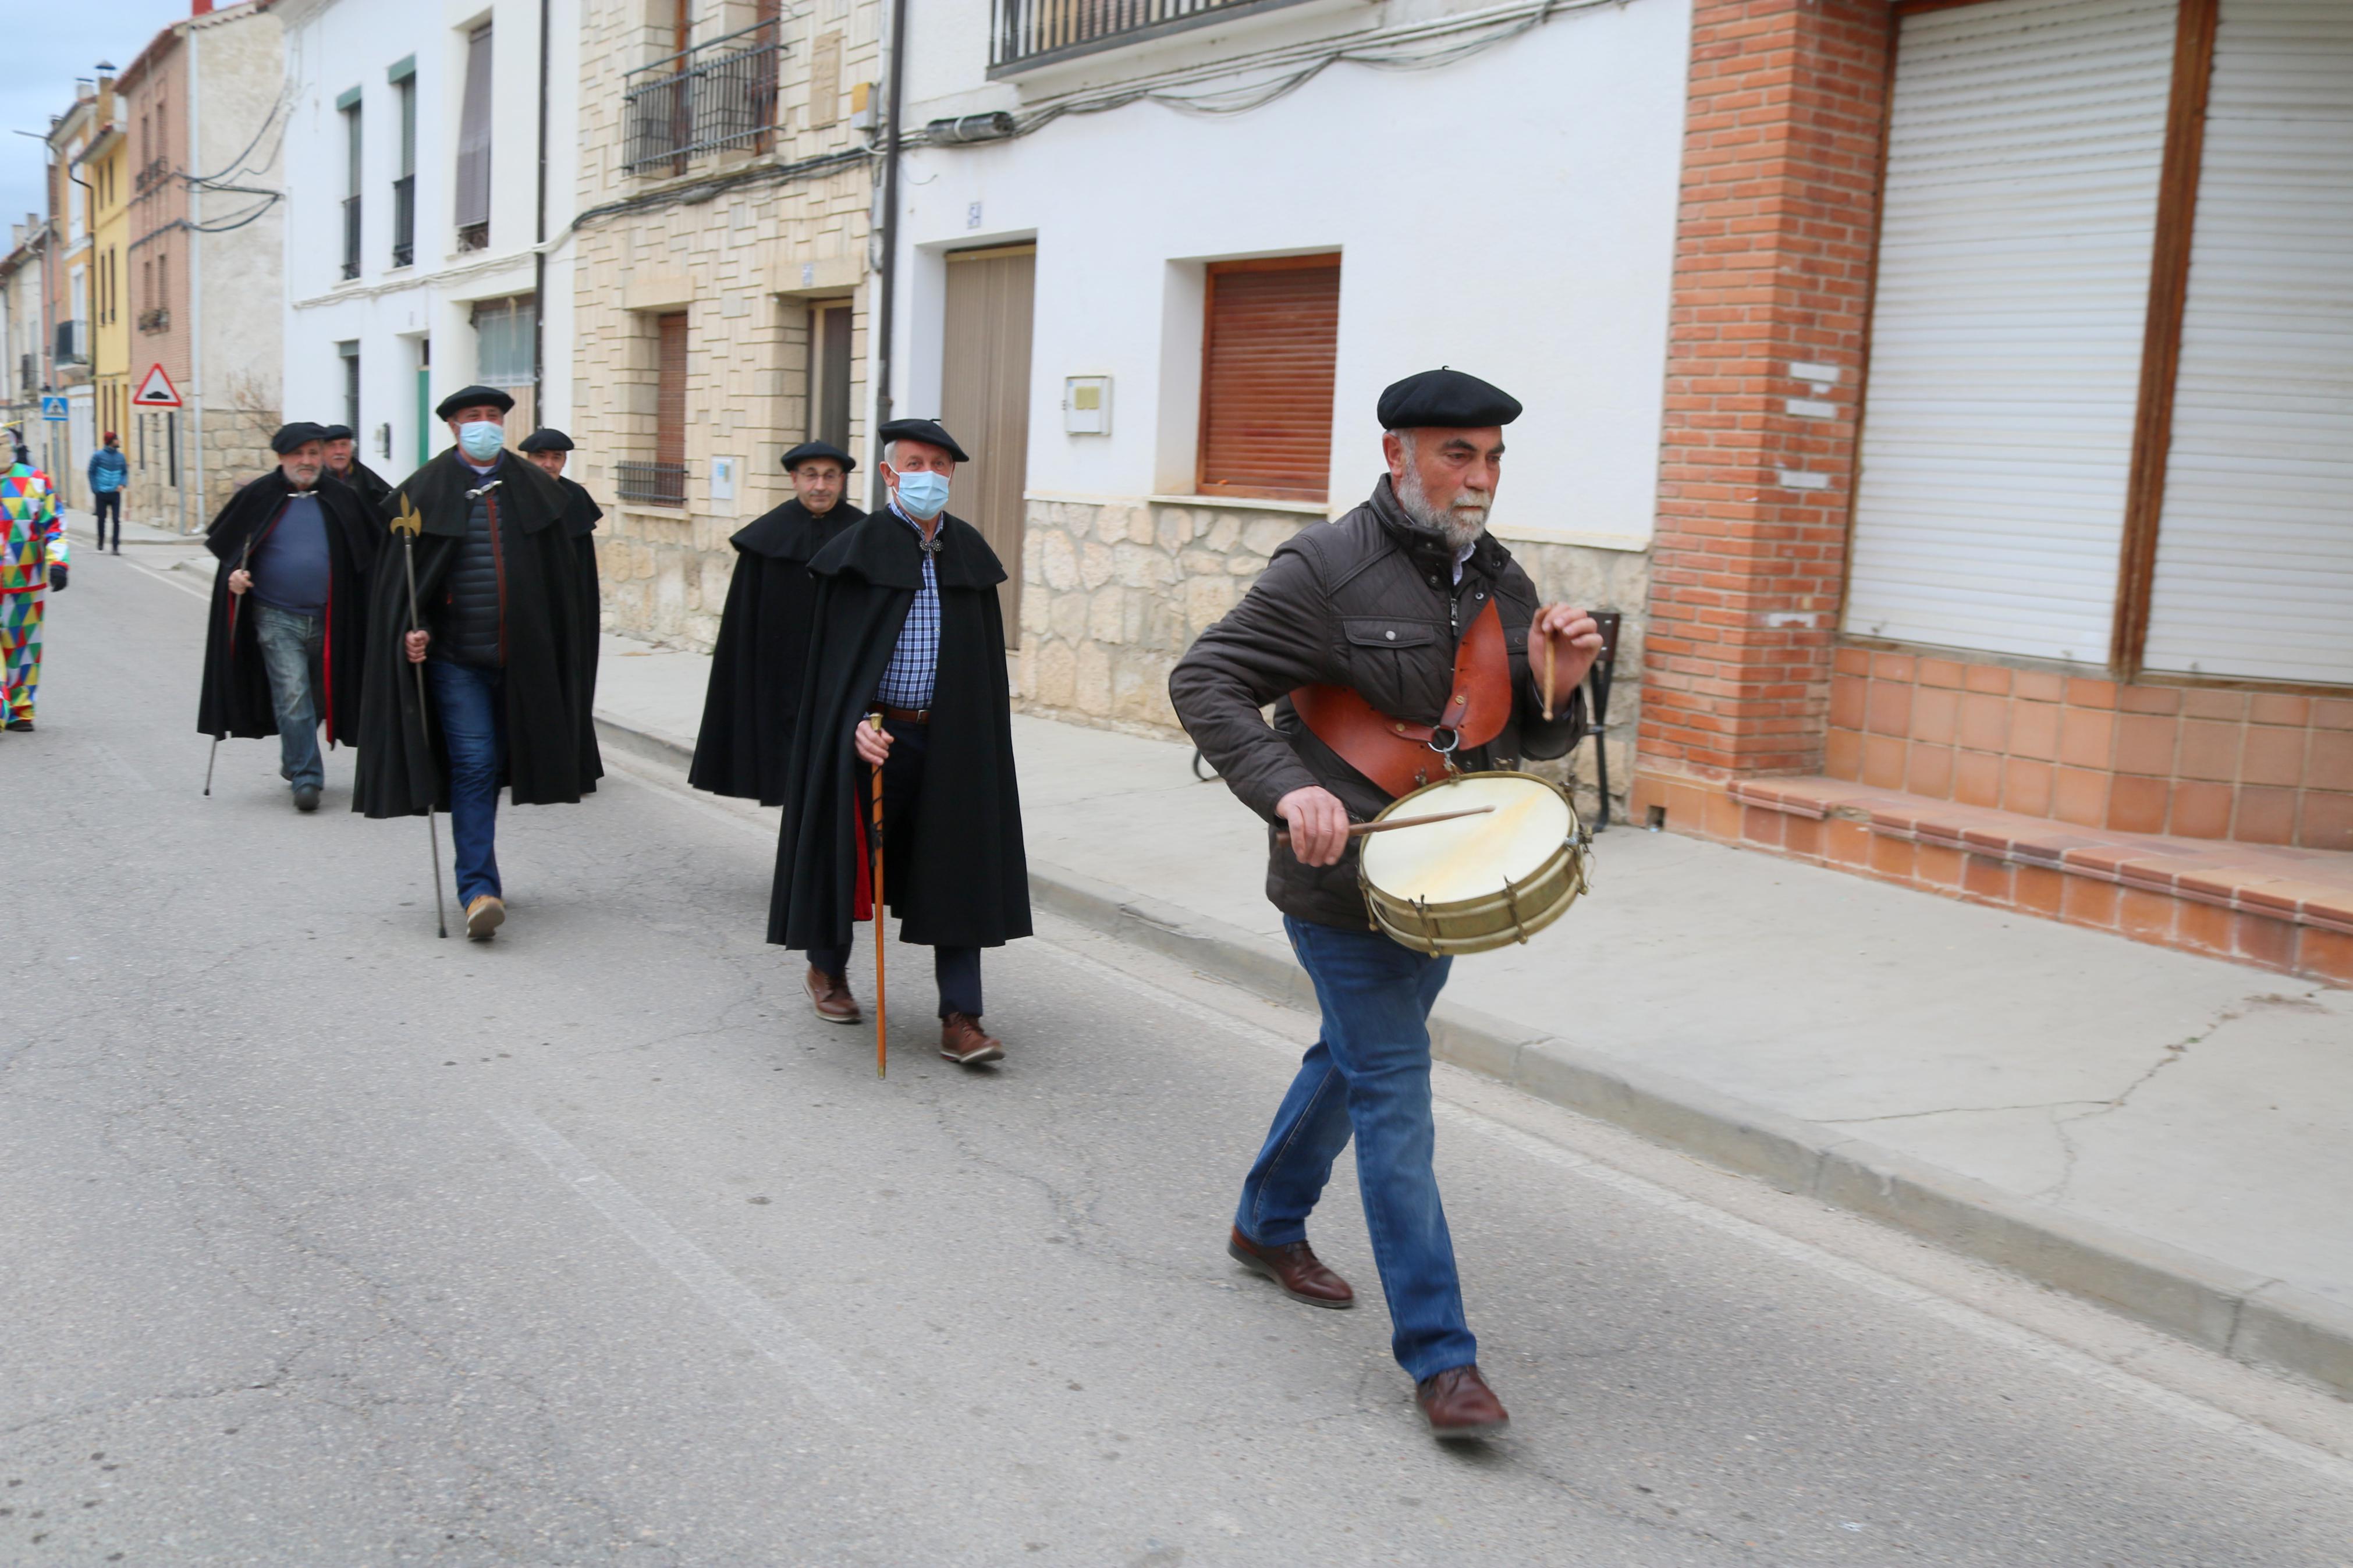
(2070, 1153)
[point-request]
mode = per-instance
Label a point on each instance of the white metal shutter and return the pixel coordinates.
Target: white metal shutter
(2254, 550)
(2025, 140)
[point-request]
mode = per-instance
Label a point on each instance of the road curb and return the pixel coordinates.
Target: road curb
(2248, 1317)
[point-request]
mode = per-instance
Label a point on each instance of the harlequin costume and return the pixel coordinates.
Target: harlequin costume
(33, 560)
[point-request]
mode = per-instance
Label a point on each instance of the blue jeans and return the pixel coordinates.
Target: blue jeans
(470, 701)
(1369, 1075)
(291, 643)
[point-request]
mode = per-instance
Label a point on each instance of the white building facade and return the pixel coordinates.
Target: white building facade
(1164, 260)
(432, 174)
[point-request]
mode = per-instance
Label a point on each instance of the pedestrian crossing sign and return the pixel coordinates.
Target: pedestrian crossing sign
(155, 391)
(53, 409)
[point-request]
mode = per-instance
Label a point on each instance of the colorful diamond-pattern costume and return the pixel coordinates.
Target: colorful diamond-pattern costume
(32, 540)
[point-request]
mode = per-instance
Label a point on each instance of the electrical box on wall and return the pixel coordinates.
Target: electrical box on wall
(1086, 404)
(722, 479)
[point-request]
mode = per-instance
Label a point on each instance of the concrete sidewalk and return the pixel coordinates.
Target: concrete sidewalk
(2166, 1133)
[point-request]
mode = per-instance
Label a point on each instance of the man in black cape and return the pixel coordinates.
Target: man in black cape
(550, 451)
(508, 697)
(906, 626)
(344, 462)
(287, 638)
(764, 633)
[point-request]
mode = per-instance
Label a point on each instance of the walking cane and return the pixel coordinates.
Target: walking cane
(406, 525)
(881, 1009)
(213, 755)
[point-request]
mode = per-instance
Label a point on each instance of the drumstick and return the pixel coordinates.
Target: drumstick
(1547, 679)
(1358, 830)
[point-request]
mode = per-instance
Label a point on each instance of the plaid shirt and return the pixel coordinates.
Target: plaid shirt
(909, 678)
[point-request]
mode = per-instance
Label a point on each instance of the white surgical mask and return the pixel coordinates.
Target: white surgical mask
(481, 440)
(923, 495)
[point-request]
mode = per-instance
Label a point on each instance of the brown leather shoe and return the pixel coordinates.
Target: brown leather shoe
(830, 995)
(1294, 1268)
(962, 1042)
(1459, 1404)
(484, 916)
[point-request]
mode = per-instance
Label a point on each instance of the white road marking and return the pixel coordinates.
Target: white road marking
(770, 1332)
(1952, 1314)
(171, 580)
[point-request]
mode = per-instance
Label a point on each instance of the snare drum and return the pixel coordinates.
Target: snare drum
(1477, 882)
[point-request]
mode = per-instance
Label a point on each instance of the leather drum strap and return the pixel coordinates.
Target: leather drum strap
(1398, 755)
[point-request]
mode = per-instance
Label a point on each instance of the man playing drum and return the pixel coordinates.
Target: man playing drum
(1397, 639)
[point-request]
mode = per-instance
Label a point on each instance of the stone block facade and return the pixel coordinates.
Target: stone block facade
(1113, 592)
(746, 263)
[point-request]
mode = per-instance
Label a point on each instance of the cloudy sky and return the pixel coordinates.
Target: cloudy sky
(47, 44)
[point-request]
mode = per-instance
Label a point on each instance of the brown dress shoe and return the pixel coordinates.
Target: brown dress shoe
(1294, 1268)
(1459, 1404)
(962, 1042)
(830, 995)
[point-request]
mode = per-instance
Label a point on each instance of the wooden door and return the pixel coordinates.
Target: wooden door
(984, 400)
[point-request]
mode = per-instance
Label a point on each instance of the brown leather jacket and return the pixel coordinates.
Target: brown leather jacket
(1367, 602)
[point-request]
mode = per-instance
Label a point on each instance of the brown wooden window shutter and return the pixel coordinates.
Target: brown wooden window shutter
(669, 390)
(1270, 336)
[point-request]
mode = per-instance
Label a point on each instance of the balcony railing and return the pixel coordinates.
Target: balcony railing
(1033, 32)
(72, 343)
(156, 318)
(404, 220)
(157, 171)
(714, 96)
(654, 484)
(474, 236)
(351, 236)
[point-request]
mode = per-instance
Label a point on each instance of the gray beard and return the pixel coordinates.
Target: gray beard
(1459, 526)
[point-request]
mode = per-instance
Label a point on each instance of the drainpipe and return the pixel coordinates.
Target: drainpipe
(539, 245)
(195, 472)
(889, 311)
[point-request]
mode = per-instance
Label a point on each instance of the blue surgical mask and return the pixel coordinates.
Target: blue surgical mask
(923, 495)
(481, 440)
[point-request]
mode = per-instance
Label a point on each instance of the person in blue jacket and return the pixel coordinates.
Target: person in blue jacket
(109, 471)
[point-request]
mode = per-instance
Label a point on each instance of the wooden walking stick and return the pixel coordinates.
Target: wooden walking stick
(881, 1007)
(406, 525)
(213, 756)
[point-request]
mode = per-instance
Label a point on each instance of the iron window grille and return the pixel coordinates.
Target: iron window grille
(351, 236)
(156, 319)
(404, 220)
(1034, 32)
(704, 98)
(157, 171)
(656, 484)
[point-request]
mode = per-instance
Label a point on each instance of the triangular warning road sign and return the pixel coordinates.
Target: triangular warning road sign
(156, 391)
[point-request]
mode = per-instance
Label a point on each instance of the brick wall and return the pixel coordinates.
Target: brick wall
(1772, 266)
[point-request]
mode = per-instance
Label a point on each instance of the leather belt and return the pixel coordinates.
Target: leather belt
(905, 715)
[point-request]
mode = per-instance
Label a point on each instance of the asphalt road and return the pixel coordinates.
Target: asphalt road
(325, 1242)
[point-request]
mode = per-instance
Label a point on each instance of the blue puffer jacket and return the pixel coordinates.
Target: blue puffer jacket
(109, 470)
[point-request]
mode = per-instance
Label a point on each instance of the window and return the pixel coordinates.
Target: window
(1270, 333)
(351, 352)
(350, 106)
(404, 186)
(662, 482)
(828, 361)
(503, 330)
(474, 145)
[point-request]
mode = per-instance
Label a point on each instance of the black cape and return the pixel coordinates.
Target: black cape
(756, 665)
(959, 877)
(551, 750)
(581, 514)
(236, 696)
(373, 488)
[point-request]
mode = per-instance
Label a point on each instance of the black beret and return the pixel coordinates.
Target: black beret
(474, 397)
(547, 439)
(810, 451)
(928, 431)
(301, 433)
(335, 433)
(1447, 398)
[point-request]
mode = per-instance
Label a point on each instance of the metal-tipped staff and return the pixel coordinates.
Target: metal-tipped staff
(881, 1008)
(243, 556)
(406, 525)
